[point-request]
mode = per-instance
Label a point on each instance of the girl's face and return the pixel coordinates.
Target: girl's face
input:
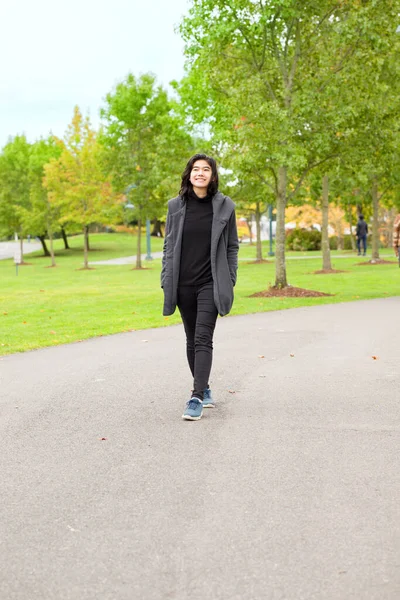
(201, 175)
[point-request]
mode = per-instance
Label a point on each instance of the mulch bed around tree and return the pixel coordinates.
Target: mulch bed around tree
(328, 271)
(288, 292)
(259, 262)
(377, 262)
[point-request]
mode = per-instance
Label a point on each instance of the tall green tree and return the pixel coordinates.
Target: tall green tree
(259, 73)
(146, 145)
(15, 188)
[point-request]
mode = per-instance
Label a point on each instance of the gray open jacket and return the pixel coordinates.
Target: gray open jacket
(224, 252)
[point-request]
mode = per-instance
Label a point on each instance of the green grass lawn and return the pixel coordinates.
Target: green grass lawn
(103, 246)
(46, 307)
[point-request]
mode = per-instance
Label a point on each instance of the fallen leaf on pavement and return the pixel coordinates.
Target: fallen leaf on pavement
(375, 357)
(261, 356)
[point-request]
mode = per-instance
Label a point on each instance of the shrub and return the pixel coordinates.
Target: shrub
(303, 240)
(333, 242)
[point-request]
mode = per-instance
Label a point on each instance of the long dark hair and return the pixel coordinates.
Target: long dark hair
(187, 187)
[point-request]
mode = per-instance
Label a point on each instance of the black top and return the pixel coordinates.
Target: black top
(195, 268)
(362, 228)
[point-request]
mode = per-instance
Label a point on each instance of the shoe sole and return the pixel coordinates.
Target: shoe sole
(209, 405)
(189, 418)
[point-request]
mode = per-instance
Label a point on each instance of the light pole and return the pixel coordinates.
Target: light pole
(271, 252)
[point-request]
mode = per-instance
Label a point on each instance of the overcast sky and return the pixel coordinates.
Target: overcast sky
(55, 54)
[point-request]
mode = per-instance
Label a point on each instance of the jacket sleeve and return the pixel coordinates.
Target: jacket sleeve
(396, 232)
(164, 255)
(233, 247)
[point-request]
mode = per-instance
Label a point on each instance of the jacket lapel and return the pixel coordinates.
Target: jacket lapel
(221, 214)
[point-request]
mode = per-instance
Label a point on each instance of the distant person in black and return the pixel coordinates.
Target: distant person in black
(199, 269)
(361, 234)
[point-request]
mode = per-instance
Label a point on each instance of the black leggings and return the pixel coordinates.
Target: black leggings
(199, 315)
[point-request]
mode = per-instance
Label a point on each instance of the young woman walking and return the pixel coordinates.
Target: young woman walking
(199, 268)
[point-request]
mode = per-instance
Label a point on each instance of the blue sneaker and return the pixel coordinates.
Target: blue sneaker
(193, 410)
(208, 401)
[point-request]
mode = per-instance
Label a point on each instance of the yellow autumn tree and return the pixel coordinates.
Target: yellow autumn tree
(307, 216)
(76, 182)
(304, 216)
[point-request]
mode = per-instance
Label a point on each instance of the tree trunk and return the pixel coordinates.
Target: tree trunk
(258, 233)
(85, 247)
(326, 251)
(43, 242)
(375, 221)
(250, 228)
(87, 237)
(280, 265)
(156, 229)
(50, 234)
(64, 236)
(139, 246)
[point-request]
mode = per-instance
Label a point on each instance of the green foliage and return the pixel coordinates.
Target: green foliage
(274, 82)
(303, 239)
(75, 182)
(42, 216)
(14, 186)
(145, 143)
(346, 242)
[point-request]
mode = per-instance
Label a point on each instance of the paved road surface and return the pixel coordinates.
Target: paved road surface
(289, 489)
(7, 249)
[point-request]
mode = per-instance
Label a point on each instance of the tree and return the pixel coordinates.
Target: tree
(75, 181)
(15, 188)
(259, 72)
(146, 145)
(42, 216)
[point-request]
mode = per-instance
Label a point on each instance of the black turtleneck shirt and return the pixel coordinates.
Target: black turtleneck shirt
(195, 268)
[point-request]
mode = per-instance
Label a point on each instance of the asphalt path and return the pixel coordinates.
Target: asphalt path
(7, 249)
(289, 489)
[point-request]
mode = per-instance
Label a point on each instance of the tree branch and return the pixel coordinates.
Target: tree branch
(277, 53)
(307, 170)
(296, 57)
(265, 181)
(384, 192)
(241, 29)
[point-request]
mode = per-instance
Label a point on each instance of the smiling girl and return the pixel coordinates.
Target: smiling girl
(199, 268)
